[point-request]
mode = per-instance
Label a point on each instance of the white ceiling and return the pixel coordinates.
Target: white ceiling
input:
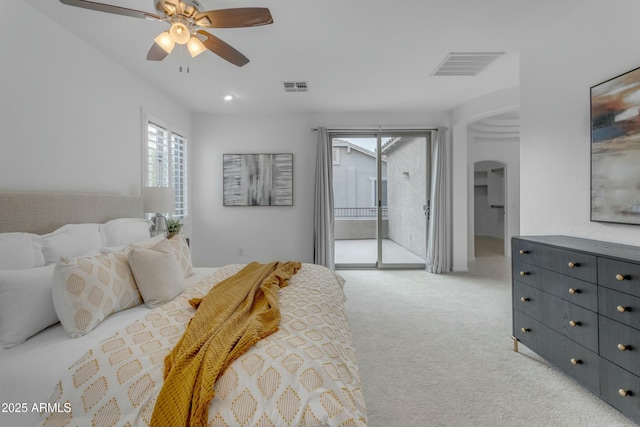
(356, 55)
(505, 125)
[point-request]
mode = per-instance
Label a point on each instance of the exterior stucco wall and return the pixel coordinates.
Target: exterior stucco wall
(406, 194)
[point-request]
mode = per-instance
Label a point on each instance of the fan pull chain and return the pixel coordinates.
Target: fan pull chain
(180, 67)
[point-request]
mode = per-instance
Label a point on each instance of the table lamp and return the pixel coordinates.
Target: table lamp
(158, 200)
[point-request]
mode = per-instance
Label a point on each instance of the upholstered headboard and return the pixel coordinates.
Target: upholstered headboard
(41, 213)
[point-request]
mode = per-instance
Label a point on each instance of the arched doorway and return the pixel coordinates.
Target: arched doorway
(489, 201)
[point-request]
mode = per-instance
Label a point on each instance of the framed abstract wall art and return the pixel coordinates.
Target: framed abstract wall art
(615, 149)
(258, 179)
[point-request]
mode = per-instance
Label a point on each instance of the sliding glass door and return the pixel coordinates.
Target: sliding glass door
(380, 183)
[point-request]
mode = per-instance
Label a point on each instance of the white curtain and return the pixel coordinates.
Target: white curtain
(439, 238)
(323, 203)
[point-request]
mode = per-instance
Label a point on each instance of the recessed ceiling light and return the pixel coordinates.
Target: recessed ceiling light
(228, 97)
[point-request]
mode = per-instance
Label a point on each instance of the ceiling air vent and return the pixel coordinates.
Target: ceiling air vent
(465, 63)
(295, 86)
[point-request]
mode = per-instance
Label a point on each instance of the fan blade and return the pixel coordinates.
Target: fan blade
(223, 50)
(101, 7)
(156, 53)
(234, 18)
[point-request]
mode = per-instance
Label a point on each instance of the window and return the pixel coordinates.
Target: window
(336, 156)
(165, 162)
(179, 172)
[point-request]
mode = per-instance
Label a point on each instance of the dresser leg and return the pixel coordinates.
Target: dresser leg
(515, 344)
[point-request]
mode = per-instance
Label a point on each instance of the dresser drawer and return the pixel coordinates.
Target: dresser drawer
(620, 344)
(621, 307)
(619, 275)
(523, 251)
(620, 389)
(525, 273)
(572, 321)
(582, 364)
(526, 299)
(538, 337)
(577, 291)
(575, 264)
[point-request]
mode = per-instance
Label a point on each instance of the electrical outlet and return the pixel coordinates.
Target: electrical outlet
(240, 251)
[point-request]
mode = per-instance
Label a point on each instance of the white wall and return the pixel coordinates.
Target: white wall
(70, 116)
(266, 233)
(71, 122)
(594, 44)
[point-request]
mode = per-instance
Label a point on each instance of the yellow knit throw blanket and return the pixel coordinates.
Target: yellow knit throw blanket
(232, 317)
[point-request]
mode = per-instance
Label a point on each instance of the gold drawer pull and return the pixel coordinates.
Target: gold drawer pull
(624, 393)
(576, 361)
(573, 264)
(622, 347)
(524, 299)
(621, 308)
(523, 273)
(525, 330)
(574, 291)
(522, 252)
(574, 323)
(620, 277)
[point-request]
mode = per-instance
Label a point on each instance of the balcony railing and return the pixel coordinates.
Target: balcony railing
(358, 212)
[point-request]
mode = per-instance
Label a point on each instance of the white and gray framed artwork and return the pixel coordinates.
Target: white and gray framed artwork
(258, 179)
(615, 149)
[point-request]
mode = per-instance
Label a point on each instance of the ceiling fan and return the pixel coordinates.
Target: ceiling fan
(187, 21)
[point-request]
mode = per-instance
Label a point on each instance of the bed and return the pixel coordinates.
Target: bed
(305, 373)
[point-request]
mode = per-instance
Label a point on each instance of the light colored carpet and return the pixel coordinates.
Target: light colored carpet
(436, 350)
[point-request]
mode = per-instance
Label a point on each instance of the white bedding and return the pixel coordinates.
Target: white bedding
(29, 371)
(305, 374)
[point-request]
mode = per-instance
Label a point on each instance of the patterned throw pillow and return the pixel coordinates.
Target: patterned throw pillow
(88, 289)
(180, 249)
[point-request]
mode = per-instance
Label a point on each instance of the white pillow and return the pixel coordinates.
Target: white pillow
(152, 241)
(26, 304)
(20, 250)
(70, 241)
(158, 275)
(87, 290)
(122, 231)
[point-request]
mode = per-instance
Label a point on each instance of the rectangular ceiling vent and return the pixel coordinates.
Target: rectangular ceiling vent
(295, 86)
(465, 63)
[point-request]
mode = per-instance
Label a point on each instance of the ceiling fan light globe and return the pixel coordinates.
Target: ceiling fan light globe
(180, 33)
(167, 7)
(165, 41)
(195, 46)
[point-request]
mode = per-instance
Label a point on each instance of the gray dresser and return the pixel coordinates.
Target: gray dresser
(576, 302)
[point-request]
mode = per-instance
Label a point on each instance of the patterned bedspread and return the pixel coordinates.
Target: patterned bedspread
(305, 374)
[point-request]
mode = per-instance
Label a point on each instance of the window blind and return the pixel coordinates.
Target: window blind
(166, 164)
(179, 173)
